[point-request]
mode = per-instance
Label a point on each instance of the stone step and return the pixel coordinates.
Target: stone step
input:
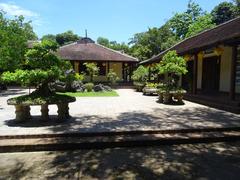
(93, 141)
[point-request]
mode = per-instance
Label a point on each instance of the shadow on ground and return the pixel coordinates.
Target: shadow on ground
(128, 121)
(11, 92)
(218, 161)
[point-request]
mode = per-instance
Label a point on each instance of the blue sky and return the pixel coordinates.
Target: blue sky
(115, 19)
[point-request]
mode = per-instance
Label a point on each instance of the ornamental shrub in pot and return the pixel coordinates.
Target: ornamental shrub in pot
(139, 77)
(173, 67)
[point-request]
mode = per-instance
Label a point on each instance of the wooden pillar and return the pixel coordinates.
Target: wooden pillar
(195, 69)
(233, 73)
(76, 66)
(108, 67)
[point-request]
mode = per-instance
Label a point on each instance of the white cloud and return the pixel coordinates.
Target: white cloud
(14, 10)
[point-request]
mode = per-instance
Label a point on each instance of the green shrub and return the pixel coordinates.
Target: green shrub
(79, 77)
(89, 86)
(112, 77)
(92, 70)
(140, 74)
(174, 66)
(151, 85)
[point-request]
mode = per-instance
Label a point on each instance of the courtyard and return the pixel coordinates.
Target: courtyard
(130, 111)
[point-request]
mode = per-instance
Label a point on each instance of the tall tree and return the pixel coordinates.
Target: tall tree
(66, 38)
(14, 35)
(50, 37)
(201, 23)
(113, 45)
(103, 41)
(181, 21)
(152, 42)
(223, 12)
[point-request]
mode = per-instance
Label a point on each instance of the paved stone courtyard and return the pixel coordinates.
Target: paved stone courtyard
(130, 111)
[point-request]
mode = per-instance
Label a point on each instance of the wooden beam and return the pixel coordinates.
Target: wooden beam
(233, 73)
(195, 69)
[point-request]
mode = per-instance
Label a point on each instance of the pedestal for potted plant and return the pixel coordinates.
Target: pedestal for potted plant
(22, 105)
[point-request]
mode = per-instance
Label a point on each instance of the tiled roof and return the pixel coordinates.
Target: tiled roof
(226, 32)
(87, 50)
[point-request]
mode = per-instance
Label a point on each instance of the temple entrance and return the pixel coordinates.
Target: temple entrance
(211, 74)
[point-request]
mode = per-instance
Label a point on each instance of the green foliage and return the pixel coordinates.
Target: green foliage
(112, 77)
(180, 22)
(151, 85)
(66, 38)
(43, 67)
(79, 77)
(14, 35)
(114, 45)
(37, 99)
(42, 56)
(172, 64)
(50, 37)
(89, 87)
(140, 74)
(152, 42)
(92, 94)
(103, 41)
(201, 23)
(92, 70)
(224, 12)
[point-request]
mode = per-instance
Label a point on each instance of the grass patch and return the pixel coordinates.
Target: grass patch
(92, 94)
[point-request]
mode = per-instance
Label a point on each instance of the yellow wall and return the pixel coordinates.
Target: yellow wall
(199, 74)
(117, 67)
(225, 72)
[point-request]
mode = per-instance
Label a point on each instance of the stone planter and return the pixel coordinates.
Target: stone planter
(150, 91)
(167, 98)
(22, 106)
(160, 97)
(179, 96)
(22, 113)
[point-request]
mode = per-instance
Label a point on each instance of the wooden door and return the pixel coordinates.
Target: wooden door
(211, 74)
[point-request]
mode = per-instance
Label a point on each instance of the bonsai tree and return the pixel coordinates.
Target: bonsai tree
(139, 77)
(173, 66)
(92, 70)
(112, 77)
(42, 66)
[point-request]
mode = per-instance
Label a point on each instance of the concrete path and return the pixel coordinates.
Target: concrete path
(130, 111)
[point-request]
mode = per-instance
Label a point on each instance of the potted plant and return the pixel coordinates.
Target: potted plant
(173, 67)
(112, 77)
(139, 77)
(150, 88)
(44, 67)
